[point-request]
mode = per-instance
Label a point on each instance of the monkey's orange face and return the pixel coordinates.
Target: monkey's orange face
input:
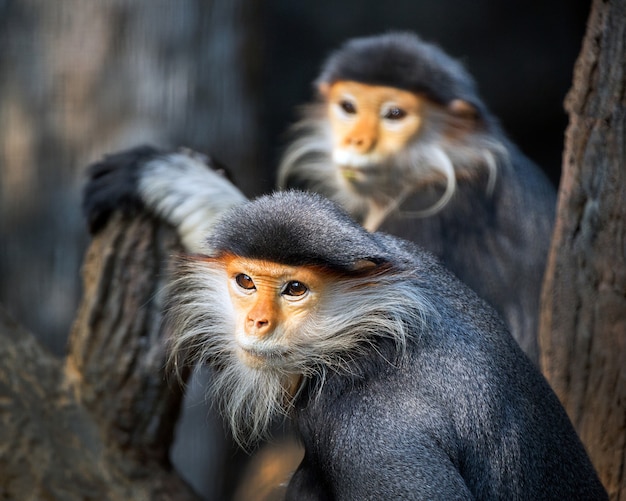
(370, 123)
(271, 302)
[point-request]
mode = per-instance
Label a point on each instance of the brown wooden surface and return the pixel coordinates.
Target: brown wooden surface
(583, 325)
(97, 425)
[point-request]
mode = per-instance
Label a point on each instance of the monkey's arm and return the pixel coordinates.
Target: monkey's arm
(420, 472)
(181, 187)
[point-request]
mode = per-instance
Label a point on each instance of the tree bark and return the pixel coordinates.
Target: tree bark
(99, 424)
(583, 323)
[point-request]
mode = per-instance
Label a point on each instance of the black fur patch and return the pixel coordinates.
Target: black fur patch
(297, 228)
(112, 184)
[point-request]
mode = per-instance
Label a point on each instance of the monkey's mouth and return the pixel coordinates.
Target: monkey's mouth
(262, 357)
(357, 166)
(351, 173)
(350, 160)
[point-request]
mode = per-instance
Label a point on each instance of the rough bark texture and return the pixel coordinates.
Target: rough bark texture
(99, 424)
(583, 325)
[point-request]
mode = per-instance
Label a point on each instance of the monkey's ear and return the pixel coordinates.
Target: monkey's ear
(364, 266)
(323, 88)
(464, 109)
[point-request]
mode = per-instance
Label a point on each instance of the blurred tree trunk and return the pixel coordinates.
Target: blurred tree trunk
(79, 79)
(583, 324)
(99, 424)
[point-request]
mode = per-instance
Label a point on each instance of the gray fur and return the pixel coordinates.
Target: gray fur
(287, 236)
(412, 387)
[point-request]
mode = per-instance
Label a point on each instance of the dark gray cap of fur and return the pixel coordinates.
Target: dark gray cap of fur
(402, 60)
(296, 228)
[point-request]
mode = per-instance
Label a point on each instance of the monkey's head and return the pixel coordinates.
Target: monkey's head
(394, 114)
(290, 290)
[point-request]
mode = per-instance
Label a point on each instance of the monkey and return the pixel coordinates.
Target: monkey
(398, 135)
(398, 379)
(401, 382)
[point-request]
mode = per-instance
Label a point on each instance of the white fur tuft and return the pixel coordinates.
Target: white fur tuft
(188, 194)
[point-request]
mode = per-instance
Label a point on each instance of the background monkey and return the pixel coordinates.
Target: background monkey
(400, 138)
(400, 381)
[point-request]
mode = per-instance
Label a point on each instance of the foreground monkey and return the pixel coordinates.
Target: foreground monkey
(400, 138)
(400, 381)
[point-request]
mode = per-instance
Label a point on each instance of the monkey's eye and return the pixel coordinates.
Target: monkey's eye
(295, 289)
(347, 106)
(245, 282)
(394, 113)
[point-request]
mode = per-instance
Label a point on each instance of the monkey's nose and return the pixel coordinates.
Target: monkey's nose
(261, 323)
(258, 326)
(359, 143)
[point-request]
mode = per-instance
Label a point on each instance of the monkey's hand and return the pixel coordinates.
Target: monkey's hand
(179, 187)
(112, 184)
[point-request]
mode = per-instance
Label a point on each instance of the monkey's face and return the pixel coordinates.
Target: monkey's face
(272, 303)
(369, 125)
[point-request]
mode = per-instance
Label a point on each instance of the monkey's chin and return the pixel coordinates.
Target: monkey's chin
(261, 359)
(252, 359)
(352, 174)
(252, 397)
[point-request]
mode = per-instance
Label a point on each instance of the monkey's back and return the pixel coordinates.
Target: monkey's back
(496, 243)
(463, 414)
